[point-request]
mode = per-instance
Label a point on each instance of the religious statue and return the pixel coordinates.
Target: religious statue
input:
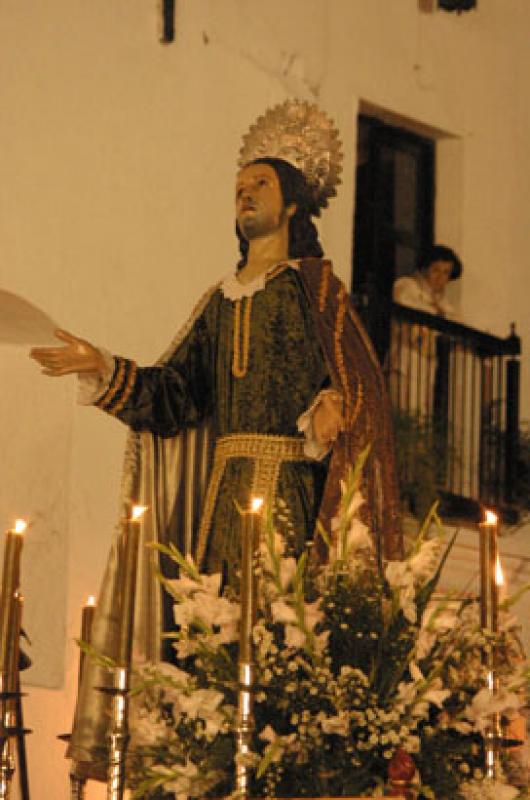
(271, 388)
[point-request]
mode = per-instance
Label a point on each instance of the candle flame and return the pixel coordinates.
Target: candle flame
(20, 526)
(491, 517)
(91, 600)
(499, 574)
(256, 504)
(137, 513)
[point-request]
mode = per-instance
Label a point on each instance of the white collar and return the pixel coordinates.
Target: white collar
(233, 289)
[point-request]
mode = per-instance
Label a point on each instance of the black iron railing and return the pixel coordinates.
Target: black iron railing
(462, 386)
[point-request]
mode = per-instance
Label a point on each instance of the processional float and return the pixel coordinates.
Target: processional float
(401, 773)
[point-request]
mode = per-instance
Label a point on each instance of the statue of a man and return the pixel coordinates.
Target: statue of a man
(271, 389)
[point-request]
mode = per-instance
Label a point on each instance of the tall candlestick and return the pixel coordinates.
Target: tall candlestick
(489, 589)
(118, 738)
(10, 621)
(489, 620)
(10, 582)
(250, 535)
(131, 538)
(87, 618)
(250, 540)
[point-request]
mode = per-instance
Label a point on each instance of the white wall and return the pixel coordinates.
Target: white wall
(118, 158)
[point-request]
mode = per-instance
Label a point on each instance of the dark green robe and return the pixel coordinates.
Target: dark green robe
(286, 370)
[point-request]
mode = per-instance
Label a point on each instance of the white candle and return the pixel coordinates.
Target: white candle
(129, 569)
(10, 583)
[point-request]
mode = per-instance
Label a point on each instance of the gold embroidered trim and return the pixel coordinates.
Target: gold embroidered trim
(242, 341)
(339, 356)
(240, 360)
(357, 407)
(105, 401)
(131, 378)
(268, 453)
(277, 270)
(324, 285)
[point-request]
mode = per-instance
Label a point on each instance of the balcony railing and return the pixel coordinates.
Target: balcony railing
(462, 385)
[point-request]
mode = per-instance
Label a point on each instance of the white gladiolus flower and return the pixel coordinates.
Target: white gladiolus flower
(287, 571)
(268, 734)
(201, 703)
(436, 696)
(424, 562)
(208, 609)
(282, 612)
(485, 703)
(488, 790)
(400, 578)
(294, 637)
(312, 614)
(210, 584)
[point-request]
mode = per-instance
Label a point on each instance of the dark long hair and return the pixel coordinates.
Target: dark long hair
(303, 235)
(439, 252)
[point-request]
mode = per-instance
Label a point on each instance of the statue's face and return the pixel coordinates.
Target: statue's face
(260, 209)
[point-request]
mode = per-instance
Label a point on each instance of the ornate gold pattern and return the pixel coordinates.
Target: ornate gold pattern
(131, 378)
(339, 356)
(268, 453)
(302, 134)
(324, 285)
(240, 359)
(105, 401)
(279, 268)
(241, 354)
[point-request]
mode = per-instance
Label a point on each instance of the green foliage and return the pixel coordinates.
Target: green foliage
(422, 457)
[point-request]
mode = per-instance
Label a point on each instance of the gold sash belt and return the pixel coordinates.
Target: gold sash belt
(268, 454)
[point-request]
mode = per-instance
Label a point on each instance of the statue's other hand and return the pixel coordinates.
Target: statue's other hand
(328, 421)
(77, 355)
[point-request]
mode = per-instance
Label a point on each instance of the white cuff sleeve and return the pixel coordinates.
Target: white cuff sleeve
(91, 385)
(304, 423)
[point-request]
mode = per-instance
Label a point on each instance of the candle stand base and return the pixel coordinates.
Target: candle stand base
(12, 732)
(77, 783)
(119, 733)
(77, 787)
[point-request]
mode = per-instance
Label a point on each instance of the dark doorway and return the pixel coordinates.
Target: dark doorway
(393, 217)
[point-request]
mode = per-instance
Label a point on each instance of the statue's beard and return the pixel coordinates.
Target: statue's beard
(254, 227)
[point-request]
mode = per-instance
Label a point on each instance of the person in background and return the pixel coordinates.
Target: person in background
(413, 355)
(425, 290)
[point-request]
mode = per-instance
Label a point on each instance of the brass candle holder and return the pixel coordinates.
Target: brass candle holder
(250, 538)
(77, 781)
(119, 731)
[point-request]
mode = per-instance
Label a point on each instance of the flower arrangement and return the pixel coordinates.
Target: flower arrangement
(354, 659)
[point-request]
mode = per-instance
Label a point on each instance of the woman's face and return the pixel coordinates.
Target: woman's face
(437, 275)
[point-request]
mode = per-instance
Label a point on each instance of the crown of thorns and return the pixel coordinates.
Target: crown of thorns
(302, 134)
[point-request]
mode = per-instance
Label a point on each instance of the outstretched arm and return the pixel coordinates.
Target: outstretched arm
(76, 355)
(162, 399)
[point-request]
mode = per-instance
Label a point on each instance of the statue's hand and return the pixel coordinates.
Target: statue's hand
(328, 420)
(77, 355)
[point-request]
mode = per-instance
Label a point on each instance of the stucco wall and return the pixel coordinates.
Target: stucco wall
(116, 211)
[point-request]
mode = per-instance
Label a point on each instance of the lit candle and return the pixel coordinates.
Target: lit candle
(489, 588)
(12, 681)
(250, 539)
(129, 567)
(249, 545)
(489, 620)
(87, 618)
(10, 583)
